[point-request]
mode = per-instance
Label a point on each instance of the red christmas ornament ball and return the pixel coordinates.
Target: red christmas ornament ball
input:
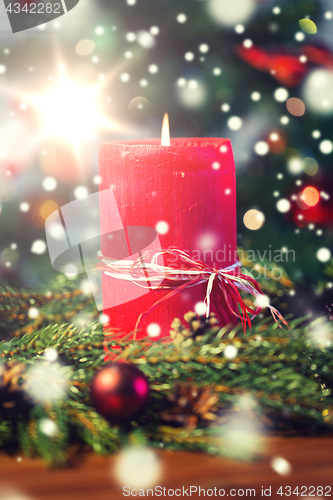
(119, 392)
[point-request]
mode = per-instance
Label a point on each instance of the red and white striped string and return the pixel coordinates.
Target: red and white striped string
(147, 272)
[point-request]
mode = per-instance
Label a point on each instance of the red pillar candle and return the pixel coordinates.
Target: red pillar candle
(187, 192)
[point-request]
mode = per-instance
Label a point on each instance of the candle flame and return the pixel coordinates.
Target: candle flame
(165, 137)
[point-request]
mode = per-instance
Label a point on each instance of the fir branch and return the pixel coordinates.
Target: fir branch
(289, 374)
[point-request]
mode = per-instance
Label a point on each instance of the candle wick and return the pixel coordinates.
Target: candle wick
(165, 136)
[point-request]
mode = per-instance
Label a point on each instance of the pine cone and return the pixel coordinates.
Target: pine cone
(197, 327)
(190, 405)
(11, 384)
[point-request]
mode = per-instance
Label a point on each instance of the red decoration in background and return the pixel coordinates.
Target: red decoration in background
(318, 55)
(277, 141)
(190, 185)
(313, 206)
(119, 392)
(285, 68)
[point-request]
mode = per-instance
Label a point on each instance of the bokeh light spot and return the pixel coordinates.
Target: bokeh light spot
(326, 147)
(283, 205)
(47, 208)
(281, 466)
(324, 255)
(138, 467)
(310, 196)
(295, 106)
(308, 26)
(153, 330)
(85, 47)
(162, 227)
(229, 13)
(310, 166)
(253, 219)
(261, 148)
(235, 123)
(281, 94)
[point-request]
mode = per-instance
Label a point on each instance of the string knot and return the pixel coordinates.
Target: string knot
(148, 272)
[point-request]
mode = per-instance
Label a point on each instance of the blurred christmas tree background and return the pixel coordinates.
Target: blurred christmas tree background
(258, 72)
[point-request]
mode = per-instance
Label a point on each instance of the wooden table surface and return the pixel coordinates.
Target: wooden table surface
(311, 459)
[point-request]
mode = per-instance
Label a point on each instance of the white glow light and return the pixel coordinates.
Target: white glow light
(239, 28)
(81, 192)
(299, 36)
(48, 427)
(145, 39)
(281, 466)
(204, 48)
(153, 69)
(318, 91)
(38, 247)
(24, 206)
(247, 43)
(153, 330)
(261, 148)
(71, 271)
(99, 30)
(200, 308)
(51, 354)
(326, 147)
(230, 352)
(131, 37)
(295, 165)
(274, 136)
(235, 123)
(125, 77)
(154, 30)
(283, 205)
(229, 13)
(138, 467)
(77, 104)
(324, 255)
(33, 312)
(281, 94)
(181, 18)
(47, 382)
(189, 56)
(162, 227)
(242, 432)
(49, 184)
(255, 96)
(104, 319)
(97, 179)
(193, 94)
(262, 301)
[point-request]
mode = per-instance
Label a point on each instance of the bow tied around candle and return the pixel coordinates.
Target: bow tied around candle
(187, 273)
